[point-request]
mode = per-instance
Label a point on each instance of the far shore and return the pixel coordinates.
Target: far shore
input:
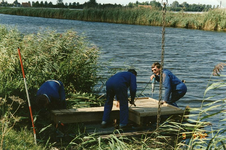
(213, 20)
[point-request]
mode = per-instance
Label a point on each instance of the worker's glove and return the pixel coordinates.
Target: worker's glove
(162, 102)
(132, 103)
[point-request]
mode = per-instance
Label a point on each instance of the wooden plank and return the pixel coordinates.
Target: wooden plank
(91, 114)
(145, 107)
(78, 117)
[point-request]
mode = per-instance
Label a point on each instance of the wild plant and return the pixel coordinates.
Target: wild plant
(46, 55)
(199, 133)
(214, 20)
(12, 136)
(68, 57)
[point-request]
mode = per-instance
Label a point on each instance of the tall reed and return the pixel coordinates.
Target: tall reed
(211, 20)
(68, 57)
(46, 55)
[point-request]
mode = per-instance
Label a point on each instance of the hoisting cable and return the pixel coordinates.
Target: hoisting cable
(141, 93)
(162, 64)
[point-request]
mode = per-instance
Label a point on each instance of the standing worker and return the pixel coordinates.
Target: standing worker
(174, 88)
(118, 85)
(51, 95)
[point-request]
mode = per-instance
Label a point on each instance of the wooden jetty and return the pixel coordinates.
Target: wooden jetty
(145, 107)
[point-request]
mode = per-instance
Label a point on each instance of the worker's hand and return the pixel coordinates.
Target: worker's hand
(117, 104)
(152, 76)
(162, 102)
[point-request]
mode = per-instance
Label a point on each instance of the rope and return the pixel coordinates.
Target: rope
(162, 63)
(141, 93)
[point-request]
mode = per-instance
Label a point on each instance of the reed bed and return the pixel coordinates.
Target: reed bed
(47, 55)
(212, 20)
(67, 57)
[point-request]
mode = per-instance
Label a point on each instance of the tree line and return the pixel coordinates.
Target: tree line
(175, 6)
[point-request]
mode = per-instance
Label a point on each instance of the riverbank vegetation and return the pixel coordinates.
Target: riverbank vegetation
(214, 20)
(69, 57)
(175, 6)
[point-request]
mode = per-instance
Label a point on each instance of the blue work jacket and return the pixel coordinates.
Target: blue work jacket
(171, 84)
(126, 79)
(53, 89)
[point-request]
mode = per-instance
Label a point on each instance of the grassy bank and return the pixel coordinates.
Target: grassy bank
(212, 20)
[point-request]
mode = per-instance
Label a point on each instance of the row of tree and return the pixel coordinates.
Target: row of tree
(175, 6)
(75, 5)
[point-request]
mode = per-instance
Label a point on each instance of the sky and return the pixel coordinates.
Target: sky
(125, 2)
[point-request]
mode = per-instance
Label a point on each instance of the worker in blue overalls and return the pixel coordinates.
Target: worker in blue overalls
(51, 95)
(118, 86)
(174, 88)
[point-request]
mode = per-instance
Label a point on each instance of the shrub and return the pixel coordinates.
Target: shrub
(46, 55)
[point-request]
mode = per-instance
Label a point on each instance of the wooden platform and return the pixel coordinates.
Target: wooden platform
(145, 107)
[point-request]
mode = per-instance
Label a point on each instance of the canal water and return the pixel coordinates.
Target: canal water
(190, 54)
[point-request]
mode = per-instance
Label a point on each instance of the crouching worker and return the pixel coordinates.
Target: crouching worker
(50, 95)
(174, 88)
(118, 86)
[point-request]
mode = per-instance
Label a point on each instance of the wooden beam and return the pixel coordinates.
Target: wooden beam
(145, 107)
(79, 115)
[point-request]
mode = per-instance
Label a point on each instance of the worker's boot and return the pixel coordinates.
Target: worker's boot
(104, 124)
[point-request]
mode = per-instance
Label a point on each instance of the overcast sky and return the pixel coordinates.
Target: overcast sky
(125, 2)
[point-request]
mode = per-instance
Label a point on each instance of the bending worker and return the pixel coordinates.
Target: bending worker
(118, 85)
(174, 88)
(51, 95)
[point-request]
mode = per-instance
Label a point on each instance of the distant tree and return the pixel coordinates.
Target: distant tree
(185, 4)
(175, 4)
(155, 4)
(74, 4)
(15, 3)
(46, 4)
(208, 7)
(41, 4)
(35, 4)
(91, 3)
(59, 1)
(145, 3)
(50, 4)
(130, 5)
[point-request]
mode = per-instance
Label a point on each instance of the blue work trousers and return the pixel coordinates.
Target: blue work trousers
(122, 96)
(175, 97)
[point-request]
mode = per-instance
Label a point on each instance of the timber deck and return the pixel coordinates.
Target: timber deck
(145, 107)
